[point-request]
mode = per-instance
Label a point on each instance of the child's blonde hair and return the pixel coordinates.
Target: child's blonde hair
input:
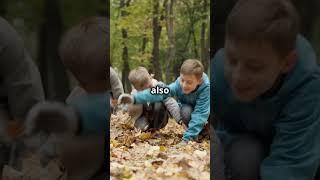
(138, 77)
(192, 67)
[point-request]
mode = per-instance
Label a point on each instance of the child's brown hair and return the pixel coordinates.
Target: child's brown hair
(138, 77)
(265, 21)
(192, 67)
(84, 51)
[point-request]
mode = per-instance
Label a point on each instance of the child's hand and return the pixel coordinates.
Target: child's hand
(114, 102)
(182, 143)
(51, 117)
(125, 99)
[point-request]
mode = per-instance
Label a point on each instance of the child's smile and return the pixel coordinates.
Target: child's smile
(189, 83)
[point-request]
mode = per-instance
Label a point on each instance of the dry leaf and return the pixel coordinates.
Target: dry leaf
(141, 155)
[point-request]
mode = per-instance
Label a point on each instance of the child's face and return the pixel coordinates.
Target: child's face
(145, 86)
(189, 82)
(251, 68)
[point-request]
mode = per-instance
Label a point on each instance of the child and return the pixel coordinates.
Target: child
(20, 82)
(84, 117)
(266, 95)
(84, 52)
(116, 87)
(20, 87)
(140, 80)
(192, 90)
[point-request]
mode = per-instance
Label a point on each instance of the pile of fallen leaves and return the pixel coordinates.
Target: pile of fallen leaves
(33, 159)
(155, 155)
(32, 169)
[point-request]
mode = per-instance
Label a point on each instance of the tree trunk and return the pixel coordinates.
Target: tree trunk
(171, 39)
(203, 45)
(144, 43)
(104, 11)
(195, 45)
(53, 75)
(207, 51)
(125, 55)
(156, 39)
(219, 13)
(108, 60)
(3, 8)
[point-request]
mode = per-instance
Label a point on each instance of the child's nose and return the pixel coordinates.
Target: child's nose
(239, 75)
(184, 85)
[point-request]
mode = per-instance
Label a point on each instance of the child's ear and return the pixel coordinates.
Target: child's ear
(290, 61)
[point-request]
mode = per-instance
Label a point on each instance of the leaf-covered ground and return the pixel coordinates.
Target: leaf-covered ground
(156, 155)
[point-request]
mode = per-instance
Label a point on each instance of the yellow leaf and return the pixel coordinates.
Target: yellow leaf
(145, 136)
(114, 143)
(126, 173)
(163, 148)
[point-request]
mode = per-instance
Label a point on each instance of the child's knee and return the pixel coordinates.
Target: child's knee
(160, 115)
(245, 149)
(135, 111)
(82, 156)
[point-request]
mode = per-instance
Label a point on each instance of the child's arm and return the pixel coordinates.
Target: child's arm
(18, 73)
(173, 108)
(294, 152)
(86, 115)
(171, 104)
(145, 96)
(199, 116)
(116, 85)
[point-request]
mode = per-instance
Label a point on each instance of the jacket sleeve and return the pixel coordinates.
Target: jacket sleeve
(94, 113)
(173, 108)
(199, 116)
(145, 96)
(116, 85)
(19, 74)
(295, 148)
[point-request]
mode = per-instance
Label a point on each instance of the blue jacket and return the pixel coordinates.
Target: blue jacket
(199, 100)
(94, 113)
(290, 119)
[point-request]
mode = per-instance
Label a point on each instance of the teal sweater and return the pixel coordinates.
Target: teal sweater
(290, 118)
(198, 99)
(94, 113)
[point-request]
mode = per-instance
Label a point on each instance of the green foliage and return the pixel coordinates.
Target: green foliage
(74, 11)
(188, 15)
(30, 13)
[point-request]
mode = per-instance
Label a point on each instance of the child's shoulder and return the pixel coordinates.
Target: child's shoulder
(156, 82)
(205, 79)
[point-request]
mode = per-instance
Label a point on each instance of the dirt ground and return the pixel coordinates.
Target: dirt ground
(156, 155)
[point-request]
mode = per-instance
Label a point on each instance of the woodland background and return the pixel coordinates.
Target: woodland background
(158, 35)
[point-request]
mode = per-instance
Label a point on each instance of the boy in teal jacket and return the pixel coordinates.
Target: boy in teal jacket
(192, 91)
(267, 95)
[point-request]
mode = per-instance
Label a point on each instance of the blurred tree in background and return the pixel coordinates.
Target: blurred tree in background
(159, 35)
(41, 23)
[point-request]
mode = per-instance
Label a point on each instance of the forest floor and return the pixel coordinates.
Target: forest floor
(155, 155)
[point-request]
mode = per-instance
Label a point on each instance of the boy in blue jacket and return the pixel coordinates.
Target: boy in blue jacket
(82, 47)
(267, 94)
(192, 91)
